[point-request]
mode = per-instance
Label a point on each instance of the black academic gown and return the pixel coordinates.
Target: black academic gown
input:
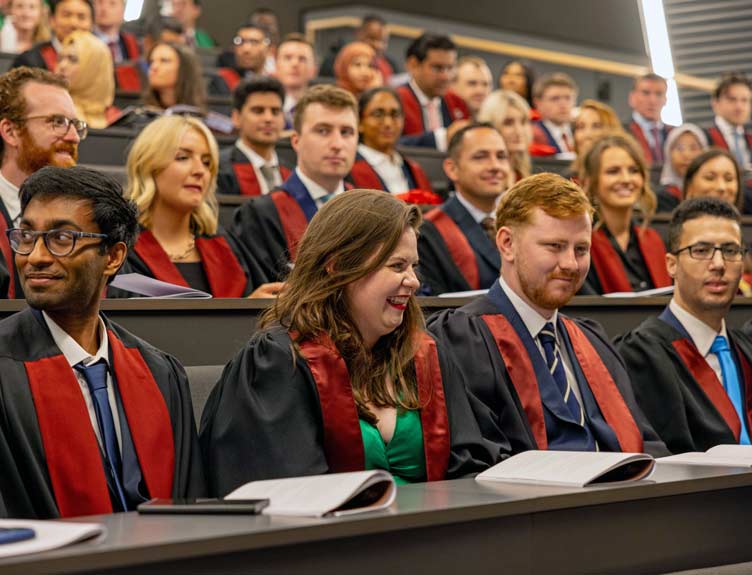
(265, 419)
(465, 334)
(676, 388)
(443, 258)
(50, 465)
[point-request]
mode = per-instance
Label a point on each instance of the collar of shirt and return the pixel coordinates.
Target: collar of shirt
(289, 104)
(9, 197)
(644, 123)
(557, 130)
(534, 322)
(254, 157)
(107, 38)
(56, 44)
(477, 214)
(701, 333)
(422, 98)
(376, 158)
(317, 192)
(73, 352)
(727, 128)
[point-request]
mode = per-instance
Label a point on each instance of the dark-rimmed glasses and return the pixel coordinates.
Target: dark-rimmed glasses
(61, 124)
(59, 243)
(730, 252)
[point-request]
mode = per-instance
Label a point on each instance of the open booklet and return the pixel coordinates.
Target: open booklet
(668, 290)
(576, 468)
(720, 455)
(150, 287)
(47, 535)
(318, 495)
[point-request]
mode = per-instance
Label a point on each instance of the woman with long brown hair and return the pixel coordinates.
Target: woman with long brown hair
(342, 376)
(625, 255)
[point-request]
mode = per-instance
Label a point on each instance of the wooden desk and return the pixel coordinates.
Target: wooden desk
(686, 517)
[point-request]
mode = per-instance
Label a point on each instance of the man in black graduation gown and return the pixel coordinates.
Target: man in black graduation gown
(457, 243)
(325, 140)
(691, 373)
(94, 419)
(547, 381)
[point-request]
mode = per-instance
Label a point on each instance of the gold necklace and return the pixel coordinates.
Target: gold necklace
(186, 253)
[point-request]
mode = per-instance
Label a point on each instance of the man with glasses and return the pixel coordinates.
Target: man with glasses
(430, 107)
(246, 60)
(38, 127)
(692, 373)
(95, 420)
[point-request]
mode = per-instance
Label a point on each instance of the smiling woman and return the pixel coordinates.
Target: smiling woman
(363, 386)
(625, 256)
(172, 176)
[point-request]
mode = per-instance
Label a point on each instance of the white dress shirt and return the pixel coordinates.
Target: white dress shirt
(440, 134)
(258, 162)
(318, 193)
(535, 322)
(728, 130)
(75, 354)
(11, 199)
(557, 133)
(477, 214)
(388, 167)
(702, 335)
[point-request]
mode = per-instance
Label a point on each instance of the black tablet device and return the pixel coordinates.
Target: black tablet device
(204, 506)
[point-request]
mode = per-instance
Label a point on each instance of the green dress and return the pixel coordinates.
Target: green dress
(403, 456)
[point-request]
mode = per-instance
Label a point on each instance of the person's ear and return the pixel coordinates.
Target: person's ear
(9, 132)
(672, 263)
(115, 259)
(294, 139)
(505, 239)
(451, 169)
(236, 119)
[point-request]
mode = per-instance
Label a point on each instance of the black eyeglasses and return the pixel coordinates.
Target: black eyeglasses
(60, 243)
(61, 124)
(239, 41)
(730, 252)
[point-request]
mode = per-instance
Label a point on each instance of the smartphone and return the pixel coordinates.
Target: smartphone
(204, 506)
(15, 534)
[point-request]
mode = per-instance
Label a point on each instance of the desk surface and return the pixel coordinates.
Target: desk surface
(647, 527)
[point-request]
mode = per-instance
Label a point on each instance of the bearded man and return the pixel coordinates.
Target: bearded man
(38, 128)
(545, 381)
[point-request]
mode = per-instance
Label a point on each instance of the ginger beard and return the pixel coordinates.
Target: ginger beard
(34, 157)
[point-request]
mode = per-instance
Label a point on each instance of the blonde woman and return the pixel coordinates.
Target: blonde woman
(86, 62)
(172, 177)
(624, 256)
(510, 114)
(25, 25)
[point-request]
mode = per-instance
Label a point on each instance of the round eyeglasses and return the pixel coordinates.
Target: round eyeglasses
(59, 243)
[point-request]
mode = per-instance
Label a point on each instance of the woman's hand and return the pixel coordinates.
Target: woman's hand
(269, 290)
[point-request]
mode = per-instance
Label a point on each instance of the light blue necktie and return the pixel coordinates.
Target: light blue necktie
(731, 382)
(547, 337)
(738, 149)
(96, 378)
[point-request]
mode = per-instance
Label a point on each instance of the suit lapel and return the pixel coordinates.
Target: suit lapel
(474, 233)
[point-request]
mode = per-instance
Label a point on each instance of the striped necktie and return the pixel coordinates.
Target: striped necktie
(547, 337)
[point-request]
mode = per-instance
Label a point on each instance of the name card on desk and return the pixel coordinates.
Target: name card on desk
(574, 468)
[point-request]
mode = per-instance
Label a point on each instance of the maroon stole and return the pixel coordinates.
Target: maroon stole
(343, 442)
(521, 372)
(718, 140)
(230, 76)
(225, 275)
(634, 127)
(70, 446)
(610, 270)
(708, 381)
(10, 259)
(421, 180)
(128, 78)
(414, 112)
(674, 191)
(364, 176)
(49, 55)
(248, 183)
(460, 250)
(132, 51)
(293, 219)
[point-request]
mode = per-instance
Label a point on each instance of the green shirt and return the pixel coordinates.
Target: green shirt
(403, 456)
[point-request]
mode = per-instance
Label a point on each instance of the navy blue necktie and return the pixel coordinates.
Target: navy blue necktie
(731, 382)
(96, 378)
(547, 337)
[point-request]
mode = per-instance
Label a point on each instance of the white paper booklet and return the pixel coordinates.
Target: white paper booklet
(576, 468)
(48, 535)
(720, 455)
(318, 495)
(668, 290)
(469, 293)
(150, 287)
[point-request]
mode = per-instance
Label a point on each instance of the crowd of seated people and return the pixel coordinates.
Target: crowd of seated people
(370, 382)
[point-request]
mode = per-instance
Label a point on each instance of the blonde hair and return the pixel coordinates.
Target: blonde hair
(591, 169)
(152, 151)
(556, 196)
(494, 111)
(608, 118)
(349, 238)
(93, 86)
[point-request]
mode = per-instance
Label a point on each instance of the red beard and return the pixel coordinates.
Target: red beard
(33, 157)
